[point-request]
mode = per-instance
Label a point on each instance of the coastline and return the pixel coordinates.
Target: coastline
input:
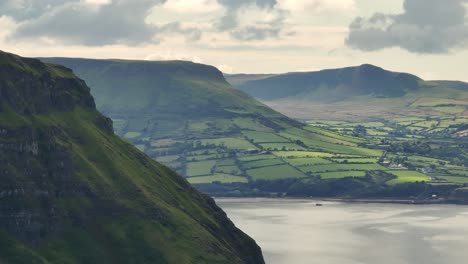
(344, 200)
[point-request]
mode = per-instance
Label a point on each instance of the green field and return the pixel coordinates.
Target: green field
(342, 174)
(233, 169)
(200, 168)
(454, 179)
(275, 172)
(302, 154)
(354, 160)
(230, 143)
(264, 137)
(256, 157)
(408, 176)
(261, 163)
(342, 167)
(281, 146)
(222, 178)
(307, 161)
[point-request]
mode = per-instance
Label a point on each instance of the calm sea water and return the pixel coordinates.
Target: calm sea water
(299, 232)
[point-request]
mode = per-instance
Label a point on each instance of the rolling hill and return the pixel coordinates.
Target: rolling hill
(225, 142)
(72, 191)
(357, 93)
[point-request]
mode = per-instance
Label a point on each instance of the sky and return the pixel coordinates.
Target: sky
(428, 38)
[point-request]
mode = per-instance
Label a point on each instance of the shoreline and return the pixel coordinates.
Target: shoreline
(346, 200)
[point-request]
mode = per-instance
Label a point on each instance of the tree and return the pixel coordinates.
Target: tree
(360, 131)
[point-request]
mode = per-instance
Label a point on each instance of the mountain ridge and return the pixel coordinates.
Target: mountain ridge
(365, 79)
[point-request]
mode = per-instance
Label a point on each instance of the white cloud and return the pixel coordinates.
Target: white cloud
(98, 2)
(8, 26)
(317, 5)
(193, 6)
(172, 55)
(226, 68)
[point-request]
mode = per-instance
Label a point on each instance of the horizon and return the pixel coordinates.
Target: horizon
(238, 73)
(424, 38)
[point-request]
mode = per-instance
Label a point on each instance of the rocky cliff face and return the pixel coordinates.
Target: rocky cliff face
(73, 192)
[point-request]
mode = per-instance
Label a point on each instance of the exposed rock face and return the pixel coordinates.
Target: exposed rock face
(73, 192)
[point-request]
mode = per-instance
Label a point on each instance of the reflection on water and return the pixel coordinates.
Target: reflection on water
(299, 232)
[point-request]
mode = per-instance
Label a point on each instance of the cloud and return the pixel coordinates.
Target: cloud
(193, 6)
(315, 6)
(140, 22)
(425, 26)
(27, 9)
(91, 23)
(172, 55)
(249, 20)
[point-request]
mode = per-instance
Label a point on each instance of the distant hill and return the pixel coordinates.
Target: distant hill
(360, 92)
(71, 191)
(452, 84)
(333, 84)
(239, 79)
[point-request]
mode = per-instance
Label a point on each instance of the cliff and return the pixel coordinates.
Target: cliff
(73, 192)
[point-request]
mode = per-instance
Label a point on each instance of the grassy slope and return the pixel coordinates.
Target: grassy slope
(135, 210)
(187, 116)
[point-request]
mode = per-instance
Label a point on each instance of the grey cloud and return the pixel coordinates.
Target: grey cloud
(123, 21)
(230, 22)
(22, 10)
(74, 22)
(79, 23)
(425, 26)
(190, 33)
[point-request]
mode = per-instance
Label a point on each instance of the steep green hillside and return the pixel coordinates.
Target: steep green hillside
(356, 93)
(73, 192)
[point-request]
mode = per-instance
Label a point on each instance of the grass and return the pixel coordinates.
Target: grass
(200, 168)
(275, 173)
(404, 176)
(250, 124)
(163, 143)
(207, 157)
(264, 137)
(229, 142)
(228, 169)
(280, 146)
(302, 154)
(307, 161)
(342, 167)
(454, 179)
(334, 147)
(222, 178)
(459, 172)
(261, 163)
(226, 162)
(355, 160)
(256, 157)
(342, 174)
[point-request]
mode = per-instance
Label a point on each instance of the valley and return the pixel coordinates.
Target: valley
(228, 144)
